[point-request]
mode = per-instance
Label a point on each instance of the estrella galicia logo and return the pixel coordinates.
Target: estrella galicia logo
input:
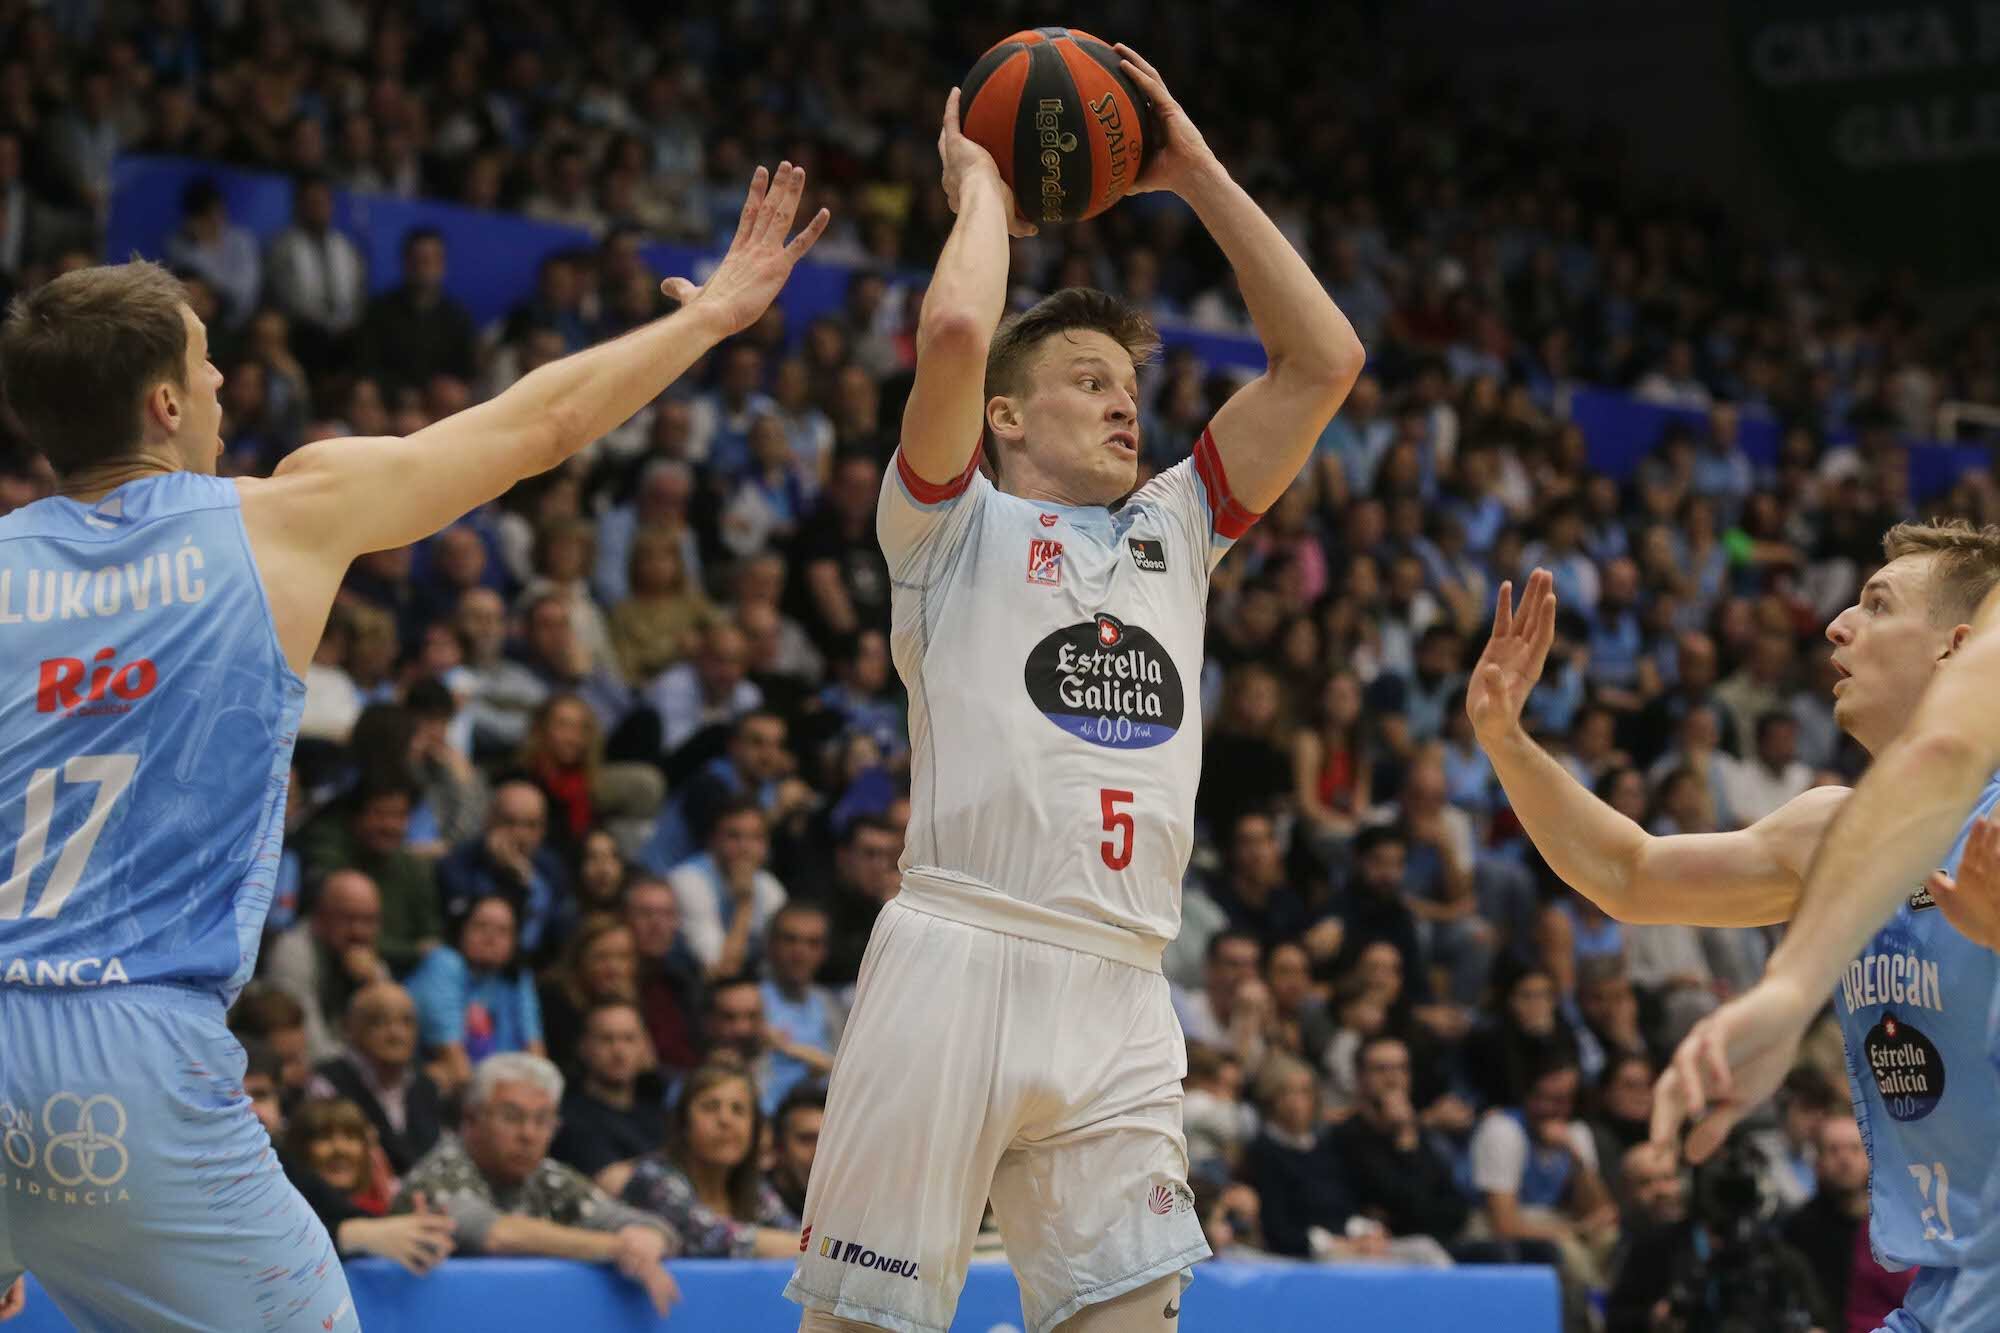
(1148, 553)
(1921, 900)
(1907, 1068)
(1107, 683)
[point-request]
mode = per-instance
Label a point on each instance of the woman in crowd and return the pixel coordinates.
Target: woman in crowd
(600, 962)
(704, 1180)
(474, 997)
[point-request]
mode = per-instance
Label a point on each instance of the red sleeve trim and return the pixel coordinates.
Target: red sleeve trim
(1226, 513)
(930, 493)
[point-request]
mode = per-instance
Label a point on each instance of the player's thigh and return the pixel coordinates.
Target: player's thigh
(912, 1132)
(125, 1132)
(1097, 1204)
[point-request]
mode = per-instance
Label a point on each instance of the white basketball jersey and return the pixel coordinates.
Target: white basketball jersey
(1053, 659)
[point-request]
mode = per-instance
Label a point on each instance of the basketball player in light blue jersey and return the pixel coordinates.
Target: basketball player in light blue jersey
(154, 624)
(1915, 998)
(1912, 1002)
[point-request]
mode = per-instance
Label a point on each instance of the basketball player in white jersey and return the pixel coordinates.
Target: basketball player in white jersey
(1012, 1036)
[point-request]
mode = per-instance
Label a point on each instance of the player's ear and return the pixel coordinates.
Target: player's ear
(163, 407)
(1003, 418)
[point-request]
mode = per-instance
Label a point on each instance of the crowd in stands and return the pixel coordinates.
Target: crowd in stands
(598, 792)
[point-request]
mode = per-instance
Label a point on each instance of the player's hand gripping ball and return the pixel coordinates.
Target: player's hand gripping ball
(1064, 124)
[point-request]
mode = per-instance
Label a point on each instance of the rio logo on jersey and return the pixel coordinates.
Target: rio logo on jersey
(74, 688)
(1108, 683)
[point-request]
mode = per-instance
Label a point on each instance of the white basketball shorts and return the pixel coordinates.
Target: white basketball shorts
(998, 1049)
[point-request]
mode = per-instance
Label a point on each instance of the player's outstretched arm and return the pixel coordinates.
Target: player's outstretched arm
(1902, 819)
(360, 495)
(946, 413)
(1267, 430)
(1751, 877)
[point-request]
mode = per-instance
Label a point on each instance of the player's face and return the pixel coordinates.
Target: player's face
(1886, 647)
(1078, 424)
(199, 436)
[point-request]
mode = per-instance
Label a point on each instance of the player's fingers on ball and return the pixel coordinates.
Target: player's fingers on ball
(1138, 60)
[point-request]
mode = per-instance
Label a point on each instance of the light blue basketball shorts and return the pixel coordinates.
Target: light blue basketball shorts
(136, 1183)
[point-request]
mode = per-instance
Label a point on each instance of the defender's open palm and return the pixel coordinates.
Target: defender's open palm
(759, 258)
(1970, 900)
(1729, 1064)
(1514, 656)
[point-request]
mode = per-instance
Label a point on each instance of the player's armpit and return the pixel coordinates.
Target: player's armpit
(1751, 877)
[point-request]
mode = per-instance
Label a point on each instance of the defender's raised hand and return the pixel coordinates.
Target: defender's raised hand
(1181, 152)
(1970, 900)
(1729, 1064)
(760, 258)
(1514, 656)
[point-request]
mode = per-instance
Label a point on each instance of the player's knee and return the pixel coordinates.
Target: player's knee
(819, 1321)
(1153, 1308)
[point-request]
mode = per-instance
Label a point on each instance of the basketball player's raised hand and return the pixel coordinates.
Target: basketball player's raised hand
(1181, 153)
(1514, 656)
(760, 258)
(963, 160)
(1970, 900)
(1729, 1063)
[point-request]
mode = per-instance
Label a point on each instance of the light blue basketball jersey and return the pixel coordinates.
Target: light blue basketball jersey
(1914, 1011)
(145, 740)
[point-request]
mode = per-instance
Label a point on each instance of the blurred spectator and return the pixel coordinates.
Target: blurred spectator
(333, 1139)
(1805, 1101)
(224, 254)
(1824, 1229)
(326, 959)
(611, 1110)
(1232, 1008)
(367, 832)
(865, 876)
(505, 694)
(844, 582)
(659, 624)
(1255, 894)
(379, 1074)
(755, 766)
(709, 690)
(1246, 761)
(414, 330)
(670, 980)
(316, 275)
(564, 756)
(727, 897)
(795, 1129)
(1400, 1173)
(704, 1180)
(736, 1030)
(1535, 1167)
(599, 964)
(806, 1020)
(474, 997)
(508, 1196)
(268, 1016)
(513, 860)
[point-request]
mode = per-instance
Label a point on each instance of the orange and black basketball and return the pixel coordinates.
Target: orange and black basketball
(1066, 126)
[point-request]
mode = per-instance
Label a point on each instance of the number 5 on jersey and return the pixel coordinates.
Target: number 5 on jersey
(1117, 854)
